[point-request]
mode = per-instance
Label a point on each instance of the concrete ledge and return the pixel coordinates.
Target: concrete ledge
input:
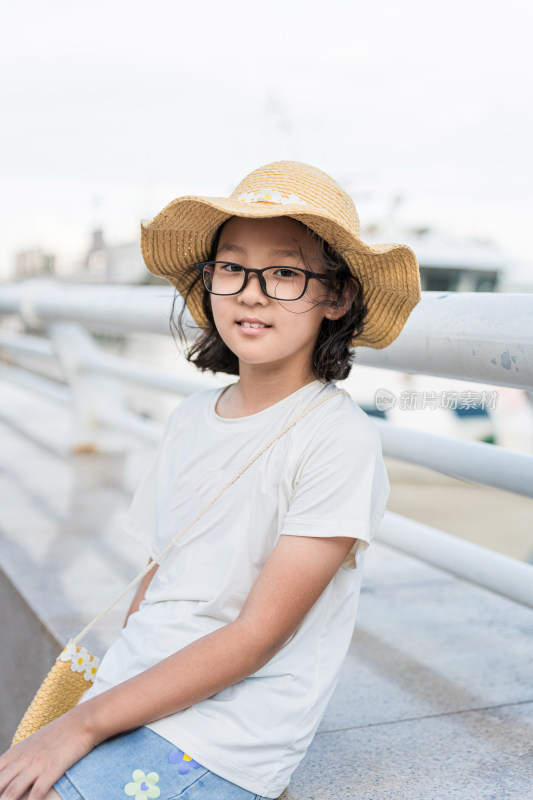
(27, 648)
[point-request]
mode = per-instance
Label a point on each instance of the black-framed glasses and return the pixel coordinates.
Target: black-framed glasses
(279, 283)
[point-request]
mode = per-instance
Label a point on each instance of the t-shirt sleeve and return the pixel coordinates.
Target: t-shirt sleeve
(342, 487)
(140, 520)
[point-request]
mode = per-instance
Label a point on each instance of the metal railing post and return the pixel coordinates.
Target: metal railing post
(91, 392)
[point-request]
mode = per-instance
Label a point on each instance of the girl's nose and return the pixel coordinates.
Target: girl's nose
(253, 289)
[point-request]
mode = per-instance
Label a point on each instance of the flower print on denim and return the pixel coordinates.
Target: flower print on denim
(143, 786)
(185, 763)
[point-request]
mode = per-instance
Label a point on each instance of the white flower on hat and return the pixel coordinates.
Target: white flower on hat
(269, 196)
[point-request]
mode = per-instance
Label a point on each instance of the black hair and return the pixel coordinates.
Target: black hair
(332, 356)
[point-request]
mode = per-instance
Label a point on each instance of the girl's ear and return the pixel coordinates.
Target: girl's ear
(339, 308)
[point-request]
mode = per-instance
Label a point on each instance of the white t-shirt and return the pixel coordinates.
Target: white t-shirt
(325, 477)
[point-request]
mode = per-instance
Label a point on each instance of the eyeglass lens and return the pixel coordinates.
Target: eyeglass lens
(282, 283)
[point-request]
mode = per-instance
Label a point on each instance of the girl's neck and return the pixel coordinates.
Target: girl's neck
(243, 398)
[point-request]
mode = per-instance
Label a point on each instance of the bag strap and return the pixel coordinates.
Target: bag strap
(163, 552)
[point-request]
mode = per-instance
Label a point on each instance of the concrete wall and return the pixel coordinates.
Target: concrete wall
(27, 653)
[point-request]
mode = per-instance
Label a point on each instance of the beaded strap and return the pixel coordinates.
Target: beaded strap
(163, 552)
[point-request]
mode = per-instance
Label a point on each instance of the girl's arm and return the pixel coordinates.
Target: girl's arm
(293, 578)
(291, 581)
(141, 591)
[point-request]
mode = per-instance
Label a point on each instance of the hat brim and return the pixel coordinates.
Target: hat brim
(182, 234)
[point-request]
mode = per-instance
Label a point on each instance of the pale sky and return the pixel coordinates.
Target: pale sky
(112, 108)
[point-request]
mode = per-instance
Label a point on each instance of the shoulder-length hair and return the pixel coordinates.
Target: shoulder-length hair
(332, 356)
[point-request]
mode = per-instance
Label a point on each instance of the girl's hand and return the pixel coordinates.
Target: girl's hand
(37, 762)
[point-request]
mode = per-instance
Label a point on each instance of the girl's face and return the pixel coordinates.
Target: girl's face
(289, 340)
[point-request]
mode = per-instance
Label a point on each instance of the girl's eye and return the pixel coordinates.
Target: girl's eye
(286, 272)
(231, 267)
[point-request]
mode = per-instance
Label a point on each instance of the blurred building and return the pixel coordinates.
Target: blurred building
(120, 263)
(455, 264)
(449, 263)
(32, 263)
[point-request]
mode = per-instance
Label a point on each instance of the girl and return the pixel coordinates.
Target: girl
(232, 646)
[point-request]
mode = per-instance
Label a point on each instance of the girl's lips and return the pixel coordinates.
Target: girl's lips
(252, 331)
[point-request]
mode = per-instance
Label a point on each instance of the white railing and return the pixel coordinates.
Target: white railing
(481, 337)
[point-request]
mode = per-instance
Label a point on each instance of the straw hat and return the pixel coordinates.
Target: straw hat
(182, 234)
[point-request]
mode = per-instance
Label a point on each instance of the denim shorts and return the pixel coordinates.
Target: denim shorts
(142, 765)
